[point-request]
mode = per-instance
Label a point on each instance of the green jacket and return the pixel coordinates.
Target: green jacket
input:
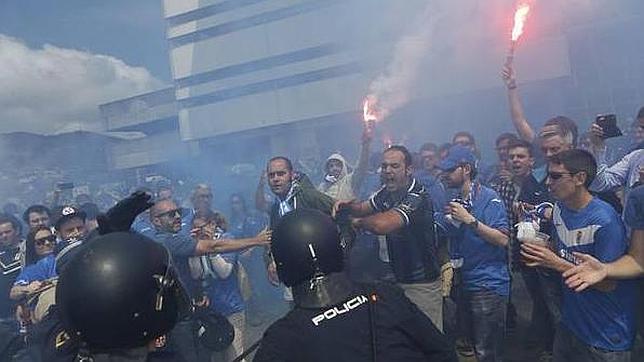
(308, 197)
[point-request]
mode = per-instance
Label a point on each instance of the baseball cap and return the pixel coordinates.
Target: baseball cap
(67, 213)
(456, 156)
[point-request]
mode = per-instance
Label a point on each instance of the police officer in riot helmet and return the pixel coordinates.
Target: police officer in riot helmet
(118, 295)
(335, 319)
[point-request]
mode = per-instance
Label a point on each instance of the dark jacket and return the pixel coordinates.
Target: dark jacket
(413, 249)
(308, 197)
(377, 317)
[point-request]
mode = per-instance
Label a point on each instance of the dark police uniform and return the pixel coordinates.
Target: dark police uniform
(377, 318)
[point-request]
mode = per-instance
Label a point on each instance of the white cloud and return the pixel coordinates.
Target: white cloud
(52, 89)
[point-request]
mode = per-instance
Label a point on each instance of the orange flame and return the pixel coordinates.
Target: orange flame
(520, 17)
(368, 113)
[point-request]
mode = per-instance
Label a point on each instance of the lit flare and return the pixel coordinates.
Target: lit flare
(368, 111)
(520, 17)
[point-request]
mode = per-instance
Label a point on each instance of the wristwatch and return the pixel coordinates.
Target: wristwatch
(474, 224)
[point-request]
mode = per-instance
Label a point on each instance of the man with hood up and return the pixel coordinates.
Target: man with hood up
(338, 182)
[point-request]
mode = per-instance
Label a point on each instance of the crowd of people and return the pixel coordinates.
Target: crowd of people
(448, 237)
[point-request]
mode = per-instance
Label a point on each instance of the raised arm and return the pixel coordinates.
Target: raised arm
(609, 178)
(516, 108)
(363, 161)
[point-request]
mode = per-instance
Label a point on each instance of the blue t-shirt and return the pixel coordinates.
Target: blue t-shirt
(603, 320)
(634, 210)
(485, 265)
(181, 247)
(44, 269)
(143, 226)
(225, 294)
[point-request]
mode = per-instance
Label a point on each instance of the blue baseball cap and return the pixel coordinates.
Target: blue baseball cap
(456, 156)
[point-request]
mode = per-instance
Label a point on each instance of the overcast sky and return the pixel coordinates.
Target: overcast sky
(60, 59)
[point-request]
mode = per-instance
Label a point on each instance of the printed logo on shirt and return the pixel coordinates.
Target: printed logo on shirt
(574, 237)
(336, 311)
(569, 256)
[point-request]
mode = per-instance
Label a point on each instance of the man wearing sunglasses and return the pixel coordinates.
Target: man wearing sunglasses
(166, 218)
(165, 215)
(478, 229)
(598, 324)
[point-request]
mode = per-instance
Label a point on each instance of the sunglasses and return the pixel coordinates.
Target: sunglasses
(558, 175)
(51, 239)
(171, 213)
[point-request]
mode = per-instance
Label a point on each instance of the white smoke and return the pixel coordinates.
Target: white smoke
(392, 88)
(53, 89)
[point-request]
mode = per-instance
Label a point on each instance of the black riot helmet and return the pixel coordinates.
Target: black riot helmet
(306, 245)
(119, 292)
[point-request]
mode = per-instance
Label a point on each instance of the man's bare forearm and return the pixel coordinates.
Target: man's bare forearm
(208, 246)
(518, 116)
(381, 223)
(491, 235)
(229, 245)
(360, 208)
(630, 265)
(562, 265)
(625, 267)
